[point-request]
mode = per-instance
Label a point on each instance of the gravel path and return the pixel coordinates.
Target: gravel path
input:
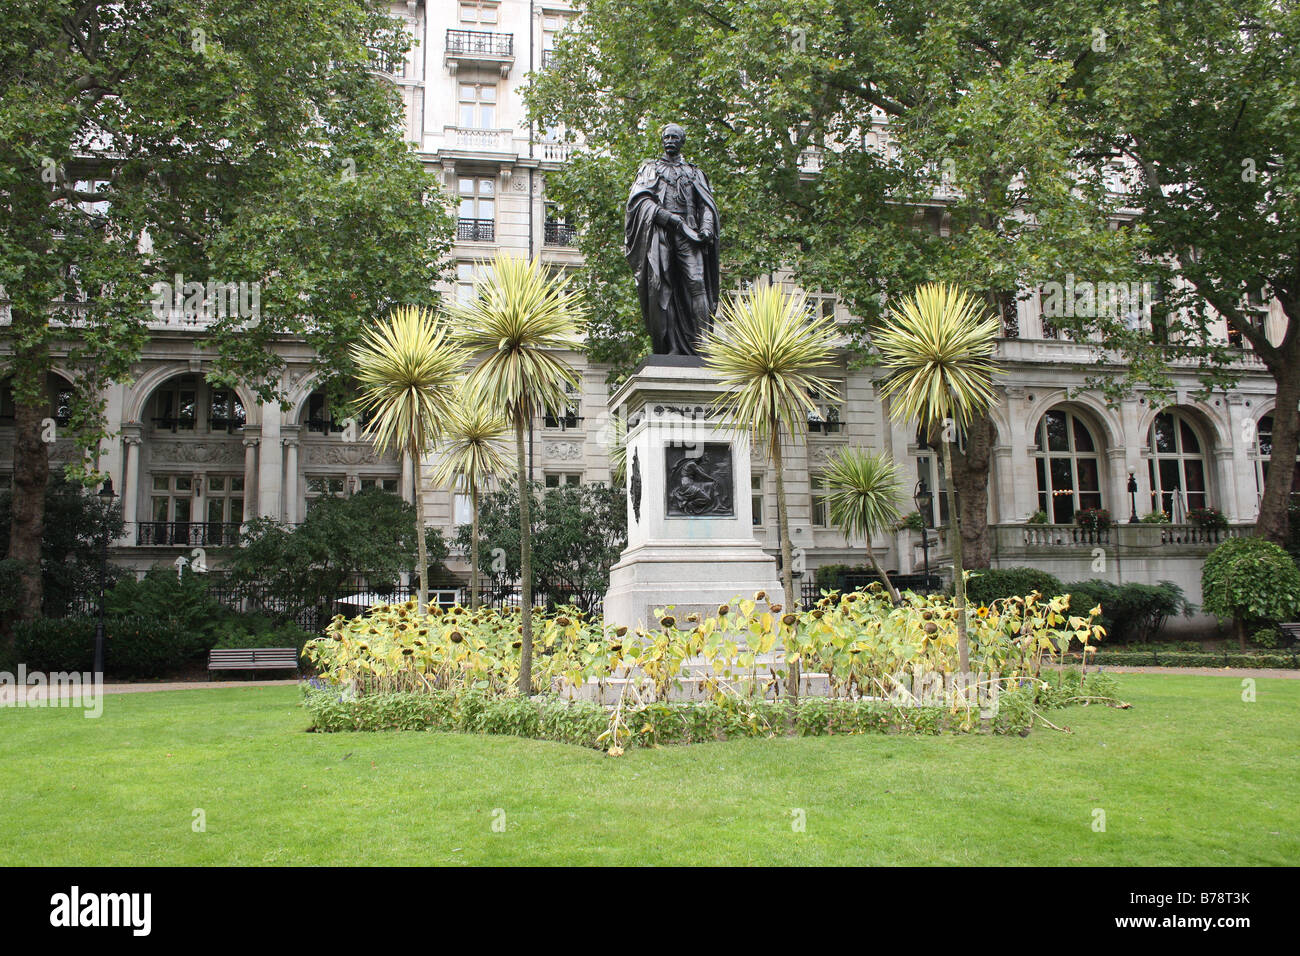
(41, 693)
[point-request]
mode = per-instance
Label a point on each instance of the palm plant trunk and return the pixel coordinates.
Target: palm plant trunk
(875, 566)
(787, 560)
(473, 548)
(525, 565)
(958, 578)
(421, 551)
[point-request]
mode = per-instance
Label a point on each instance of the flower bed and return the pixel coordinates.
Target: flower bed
(874, 658)
(587, 724)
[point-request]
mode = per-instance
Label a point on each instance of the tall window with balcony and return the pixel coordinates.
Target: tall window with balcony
(1067, 465)
(477, 222)
(817, 492)
(567, 417)
(170, 507)
(826, 420)
(224, 504)
(467, 275)
(1175, 466)
(1262, 453)
(930, 473)
(553, 23)
(226, 412)
(557, 232)
(176, 405)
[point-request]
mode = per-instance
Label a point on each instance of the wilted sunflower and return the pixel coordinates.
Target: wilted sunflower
(789, 620)
(668, 621)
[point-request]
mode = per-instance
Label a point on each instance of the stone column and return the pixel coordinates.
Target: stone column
(130, 481)
(408, 478)
(270, 464)
(290, 486)
(1227, 497)
(251, 443)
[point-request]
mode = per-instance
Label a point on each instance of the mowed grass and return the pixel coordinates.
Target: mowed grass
(1190, 775)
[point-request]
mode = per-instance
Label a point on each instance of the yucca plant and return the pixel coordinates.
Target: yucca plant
(864, 491)
(473, 451)
(767, 348)
(408, 369)
(938, 347)
(517, 326)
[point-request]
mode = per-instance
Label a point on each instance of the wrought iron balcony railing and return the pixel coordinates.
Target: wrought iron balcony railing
(475, 230)
(480, 43)
(187, 534)
(559, 234)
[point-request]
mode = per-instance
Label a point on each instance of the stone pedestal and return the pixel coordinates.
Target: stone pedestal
(690, 531)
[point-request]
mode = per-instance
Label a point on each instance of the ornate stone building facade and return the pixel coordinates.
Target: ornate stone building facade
(193, 461)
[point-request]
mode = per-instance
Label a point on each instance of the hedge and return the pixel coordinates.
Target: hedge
(133, 647)
(1289, 661)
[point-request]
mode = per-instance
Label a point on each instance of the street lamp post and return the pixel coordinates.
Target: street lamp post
(106, 497)
(1132, 495)
(924, 498)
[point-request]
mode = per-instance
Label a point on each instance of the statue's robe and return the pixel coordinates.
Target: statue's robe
(676, 278)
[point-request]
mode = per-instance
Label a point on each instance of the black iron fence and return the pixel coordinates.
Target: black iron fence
(920, 583)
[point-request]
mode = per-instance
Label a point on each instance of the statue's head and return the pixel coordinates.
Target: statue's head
(672, 136)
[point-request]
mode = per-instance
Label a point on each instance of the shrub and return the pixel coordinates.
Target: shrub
(1129, 612)
(163, 594)
(1155, 517)
(1266, 637)
(254, 630)
(1250, 579)
(1038, 517)
(1208, 518)
(133, 647)
(1093, 519)
(985, 587)
(828, 576)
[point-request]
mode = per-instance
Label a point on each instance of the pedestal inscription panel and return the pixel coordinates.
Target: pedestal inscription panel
(700, 481)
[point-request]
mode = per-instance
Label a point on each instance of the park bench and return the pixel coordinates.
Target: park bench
(1291, 630)
(252, 659)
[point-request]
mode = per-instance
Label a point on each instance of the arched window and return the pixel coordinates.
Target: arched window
(1263, 453)
(1175, 466)
(1068, 466)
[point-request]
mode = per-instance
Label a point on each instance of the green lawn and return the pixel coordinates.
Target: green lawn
(1190, 775)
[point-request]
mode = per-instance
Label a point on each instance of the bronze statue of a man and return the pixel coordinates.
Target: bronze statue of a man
(671, 230)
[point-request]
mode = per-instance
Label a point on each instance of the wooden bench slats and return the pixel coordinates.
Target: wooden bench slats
(252, 658)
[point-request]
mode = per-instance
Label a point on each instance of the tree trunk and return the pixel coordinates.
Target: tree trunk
(525, 565)
(958, 579)
(787, 558)
(422, 552)
(1273, 522)
(31, 474)
(1239, 624)
(970, 476)
(473, 548)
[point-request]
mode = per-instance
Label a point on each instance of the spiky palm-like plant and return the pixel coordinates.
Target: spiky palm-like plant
(520, 322)
(863, 499)
(473, 451)
(408, 368)
(767, 349)
(938, 346)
